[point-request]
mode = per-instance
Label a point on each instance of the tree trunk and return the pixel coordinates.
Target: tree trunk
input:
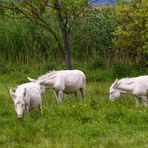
(66, 48)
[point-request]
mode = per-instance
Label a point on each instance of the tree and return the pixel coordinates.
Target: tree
(41, 12)
(130, 37)
(94, 37)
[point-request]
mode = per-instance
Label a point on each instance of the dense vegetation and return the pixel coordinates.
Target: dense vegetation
(112, 33)
(106, 43)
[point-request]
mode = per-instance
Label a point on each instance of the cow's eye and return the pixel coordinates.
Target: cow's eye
(17, 103)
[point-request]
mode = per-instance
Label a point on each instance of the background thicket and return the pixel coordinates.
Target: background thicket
(104, 34)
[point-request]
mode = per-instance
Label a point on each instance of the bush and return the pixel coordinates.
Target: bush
(122, 70)
(98, 63)
(99, 75)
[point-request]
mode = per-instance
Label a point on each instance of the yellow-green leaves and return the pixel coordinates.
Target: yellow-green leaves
(131, 33)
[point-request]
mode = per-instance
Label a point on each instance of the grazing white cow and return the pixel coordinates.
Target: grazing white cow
(137, 86)
(67, 81)
(26, 97)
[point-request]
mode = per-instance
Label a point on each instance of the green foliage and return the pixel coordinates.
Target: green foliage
(92, 34)
(98, 63)
(22, 41)
(122, 70)
(130, 37)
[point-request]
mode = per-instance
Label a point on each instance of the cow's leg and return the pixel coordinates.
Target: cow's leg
(40, 108)
(59, 96)
(56, 95)
(145, 101)
(82, 93)
(137, 101)
(76, 95)
(27, 108)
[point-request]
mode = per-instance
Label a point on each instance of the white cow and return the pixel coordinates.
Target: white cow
(67, 81)
(26, 97)
(137, 86)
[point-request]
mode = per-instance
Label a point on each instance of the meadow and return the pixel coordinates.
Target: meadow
(94, 122)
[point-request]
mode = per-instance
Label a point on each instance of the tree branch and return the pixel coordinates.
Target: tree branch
(78, 14)
(40, 21)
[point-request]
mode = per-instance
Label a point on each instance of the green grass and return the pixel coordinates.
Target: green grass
(95, 122)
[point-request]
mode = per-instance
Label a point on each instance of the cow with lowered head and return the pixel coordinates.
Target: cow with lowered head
(63, 81)
(138, 86)
(26, 97)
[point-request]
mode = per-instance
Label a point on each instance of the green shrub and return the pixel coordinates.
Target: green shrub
(98, 63)
(99, 75)
(122, 70)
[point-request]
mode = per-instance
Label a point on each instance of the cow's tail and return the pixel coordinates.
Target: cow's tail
(31, 80)
(40, 82)
(84, 82)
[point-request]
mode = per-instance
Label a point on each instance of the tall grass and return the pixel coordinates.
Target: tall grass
(90, 40)
(21, 41)
(92, 34)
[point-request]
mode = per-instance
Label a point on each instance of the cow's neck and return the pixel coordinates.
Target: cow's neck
(126, 87)
(49, 83)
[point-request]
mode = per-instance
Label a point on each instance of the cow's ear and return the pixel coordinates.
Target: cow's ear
(115, 83)
(116, 80)
(13, 95)
(24, 92)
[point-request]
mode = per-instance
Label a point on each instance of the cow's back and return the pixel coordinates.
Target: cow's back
(143, 81)
(141, 85)
(72, 80)
(32, 90)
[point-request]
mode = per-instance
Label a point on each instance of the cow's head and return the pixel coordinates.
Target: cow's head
(114, 93)
(19, 103)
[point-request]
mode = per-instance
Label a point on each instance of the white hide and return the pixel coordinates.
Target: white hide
(67, 81)
(137, 86)
(26, 97)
